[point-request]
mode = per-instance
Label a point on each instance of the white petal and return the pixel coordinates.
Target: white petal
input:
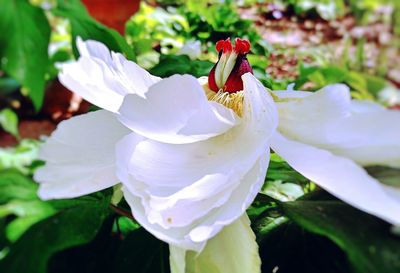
(103, 77)
(233, 250)
(339, 176)
(176, 110)
(187, 215)
(362, 131)
(305, 118)
(185, 194)
(80, 156)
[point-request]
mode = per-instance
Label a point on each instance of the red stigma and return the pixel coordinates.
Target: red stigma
(233, 62)
(224, 45)
(242, 46)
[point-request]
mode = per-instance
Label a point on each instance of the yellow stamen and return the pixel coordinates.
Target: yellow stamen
(233, 101)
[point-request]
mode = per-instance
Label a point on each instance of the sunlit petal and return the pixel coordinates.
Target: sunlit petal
(339, 176)
(103, 77)
(80, 156)
(176, 110)
(362, 131)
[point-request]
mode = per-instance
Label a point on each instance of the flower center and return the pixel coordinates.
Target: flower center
(233, 101)
(231, 65)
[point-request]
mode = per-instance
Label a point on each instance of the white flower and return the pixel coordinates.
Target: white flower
(327, 137)
(190, 166)
(192, 157)
(191, 49)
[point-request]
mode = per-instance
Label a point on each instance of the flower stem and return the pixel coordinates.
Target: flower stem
(121, 211)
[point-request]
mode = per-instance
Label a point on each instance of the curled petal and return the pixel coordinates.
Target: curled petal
(362, 131)
(80, 156)
(222, 254)
(176, 110)
(339, 176)
(103, 77)
(185, 194)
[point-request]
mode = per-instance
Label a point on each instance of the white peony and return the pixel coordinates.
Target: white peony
(189, 166)
(192, 156)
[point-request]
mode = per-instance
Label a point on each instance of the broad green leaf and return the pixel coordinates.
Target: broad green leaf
(19, 202)
(9, 121)
(24, 40)
(76, 223)
(287, 248)
(27, 213)
(83, 25)
(14, 185)
(367, 241)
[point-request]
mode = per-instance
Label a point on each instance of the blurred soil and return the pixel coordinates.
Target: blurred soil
(59, 104)
(296, 38)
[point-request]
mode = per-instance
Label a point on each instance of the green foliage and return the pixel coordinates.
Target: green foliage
(41, 228)
(21, 157)
(217, 20)
(24, 40)
(152, 26)
(299, 231)
(367, 241)
(364, 86)
(181, 64)
(154, 31)
(83, 25)
(9, 121)
(327, 9)
(141, 251)
(19, 204)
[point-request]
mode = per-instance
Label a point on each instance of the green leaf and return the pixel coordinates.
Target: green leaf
(24, 40)
(76, 223)
(9, 121)
(124, 225)
(20, 204)
(366, 240)
(83, 25)
(14, 185)
(181, 64)
(27, 212)
(287, 248)
(143, 252)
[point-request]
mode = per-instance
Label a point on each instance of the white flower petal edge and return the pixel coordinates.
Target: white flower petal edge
(103, 77)
(362, 131)
(233, 250)
(80, 156)
(185, 194)
(176, 110)
(339, 176)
